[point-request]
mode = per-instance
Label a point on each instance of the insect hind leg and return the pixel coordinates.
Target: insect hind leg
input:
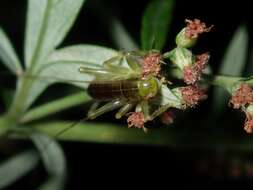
(114, 64)
(93, 107)
(112, 105)
(123, 110)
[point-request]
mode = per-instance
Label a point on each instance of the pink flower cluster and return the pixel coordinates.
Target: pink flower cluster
(242, 98)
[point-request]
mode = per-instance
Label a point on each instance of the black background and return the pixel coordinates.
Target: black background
(105, 164)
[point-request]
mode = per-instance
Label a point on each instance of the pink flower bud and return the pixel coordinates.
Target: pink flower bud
(242, 96)
(136, 119)
(195, 27)
(192, 73)
(151, 65)
(192, 95)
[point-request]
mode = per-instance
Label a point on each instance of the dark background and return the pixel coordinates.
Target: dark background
(89, 164)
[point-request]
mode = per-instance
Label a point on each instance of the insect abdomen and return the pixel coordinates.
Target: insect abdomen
(109, 90)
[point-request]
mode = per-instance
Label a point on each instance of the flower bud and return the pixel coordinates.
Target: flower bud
(248, 124)
(243, 99)
(192, 95)
(151, 64)
(242, 95)
(192, 73)
(183, 41)
(188, 36)
(181, 57)
(136, 119)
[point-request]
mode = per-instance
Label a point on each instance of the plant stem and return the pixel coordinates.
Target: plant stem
(4, 125)
(17, 108)
(224, 81)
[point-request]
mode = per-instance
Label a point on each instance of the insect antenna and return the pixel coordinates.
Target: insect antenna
(48, 78)
(46, 146)
(59, 79)
(69, 127)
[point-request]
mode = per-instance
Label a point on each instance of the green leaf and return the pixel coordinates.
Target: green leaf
(55, 106)
(155, 24)
(7, 96)
(48, 22)
(53, 159)
(232, 64)
(64, 63)
(121, 37)
(16, 167)
(101, 133)
(8, 54)
(171, 136)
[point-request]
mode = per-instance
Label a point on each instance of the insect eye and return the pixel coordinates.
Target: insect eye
(149, 87)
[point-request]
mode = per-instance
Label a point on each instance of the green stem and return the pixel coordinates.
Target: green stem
(18, 106)
(221, 80)
(4, 125)
(224, 81)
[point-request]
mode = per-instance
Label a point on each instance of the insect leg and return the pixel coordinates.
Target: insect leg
(159, 111)
(114, 64)
(118, 58)
(93, 107)
(114, 104)
(145, 108)
(93, 71)
(123, 110)
(133, 62)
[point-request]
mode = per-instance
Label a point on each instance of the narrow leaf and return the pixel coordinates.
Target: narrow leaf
(62, 66)
(121, 37)
(16, 167)
(55, 106)
(102, 133)
(48, 22)
(8, 55)
(7, 96)
(171, 136)
(53, 159)
(233, 64)
(155, 24)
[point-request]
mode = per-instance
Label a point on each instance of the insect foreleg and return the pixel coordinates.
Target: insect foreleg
(114, 104)
(114, 64)
(133, 62)
(159, 111)
(118, 59)
(123, 110)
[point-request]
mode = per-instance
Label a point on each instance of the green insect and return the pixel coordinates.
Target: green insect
(124, 87)
(128, 82)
